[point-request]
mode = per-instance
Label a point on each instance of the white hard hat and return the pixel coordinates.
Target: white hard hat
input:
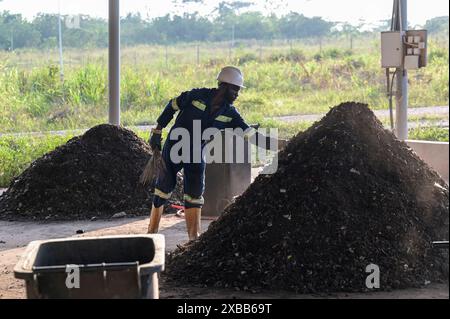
(232, 75)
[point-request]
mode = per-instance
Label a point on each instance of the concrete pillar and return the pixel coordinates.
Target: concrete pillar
(401, 96)
(114, 62)
(61, 63)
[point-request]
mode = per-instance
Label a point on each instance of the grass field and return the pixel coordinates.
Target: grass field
(283, 78)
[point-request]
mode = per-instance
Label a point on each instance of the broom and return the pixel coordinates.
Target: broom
(153, 168)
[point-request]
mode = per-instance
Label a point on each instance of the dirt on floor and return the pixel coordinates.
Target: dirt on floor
(14, 236)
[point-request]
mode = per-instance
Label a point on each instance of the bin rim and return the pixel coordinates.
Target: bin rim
(24, 268)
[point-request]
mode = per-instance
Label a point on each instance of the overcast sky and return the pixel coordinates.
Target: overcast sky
(351, 11)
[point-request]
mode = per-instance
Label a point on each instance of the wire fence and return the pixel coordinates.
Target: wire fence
(204, 53)
(188, 53)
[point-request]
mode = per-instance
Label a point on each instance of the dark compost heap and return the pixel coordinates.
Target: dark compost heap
(93, 175)
(347, 194)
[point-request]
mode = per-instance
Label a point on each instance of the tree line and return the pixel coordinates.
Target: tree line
(86, 31)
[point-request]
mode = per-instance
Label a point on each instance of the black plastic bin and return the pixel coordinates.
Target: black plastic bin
(108, 267)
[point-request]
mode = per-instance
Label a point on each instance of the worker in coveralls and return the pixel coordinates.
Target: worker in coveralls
(211, 108)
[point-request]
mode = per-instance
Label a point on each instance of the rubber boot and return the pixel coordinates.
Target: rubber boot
(193, 220)
(155, 217)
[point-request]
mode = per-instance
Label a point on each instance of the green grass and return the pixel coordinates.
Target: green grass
(18, 152)
(429, 134)
(280, 82)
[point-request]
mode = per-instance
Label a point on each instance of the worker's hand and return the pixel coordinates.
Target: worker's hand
(155, 140)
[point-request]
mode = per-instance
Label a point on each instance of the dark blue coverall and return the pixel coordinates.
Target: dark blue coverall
(191, 105)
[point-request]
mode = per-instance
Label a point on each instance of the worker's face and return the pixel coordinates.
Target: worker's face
(232, 92)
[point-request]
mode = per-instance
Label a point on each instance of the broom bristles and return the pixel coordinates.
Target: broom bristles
(153, 168)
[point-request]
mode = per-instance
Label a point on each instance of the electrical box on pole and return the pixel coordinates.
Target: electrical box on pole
(400, 49)
(416, 49)
(392, 49)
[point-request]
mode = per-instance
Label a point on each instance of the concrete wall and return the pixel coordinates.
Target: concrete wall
(434, 154)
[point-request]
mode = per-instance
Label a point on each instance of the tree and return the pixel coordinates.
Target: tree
(437, 24)
(181, 27)
(15, 32)
(296, 25)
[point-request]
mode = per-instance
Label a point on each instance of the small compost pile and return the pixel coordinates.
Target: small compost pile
(347, 194)
(93, 175)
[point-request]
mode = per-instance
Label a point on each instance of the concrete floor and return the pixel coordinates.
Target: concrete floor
(14, 236)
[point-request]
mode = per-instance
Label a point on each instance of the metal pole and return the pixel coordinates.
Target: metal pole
(12, 39)
(114, 62)
(401, 96)
(167, 58)
(61, 63)
(232, 37)
(260, 50)
(198, 54)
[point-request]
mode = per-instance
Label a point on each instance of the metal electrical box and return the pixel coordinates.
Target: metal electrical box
(404, 49)
(411, 62)
(416, 49)
(392, 49)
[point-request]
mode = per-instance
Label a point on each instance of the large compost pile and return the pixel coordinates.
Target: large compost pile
(347, 194)
(93, 175)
